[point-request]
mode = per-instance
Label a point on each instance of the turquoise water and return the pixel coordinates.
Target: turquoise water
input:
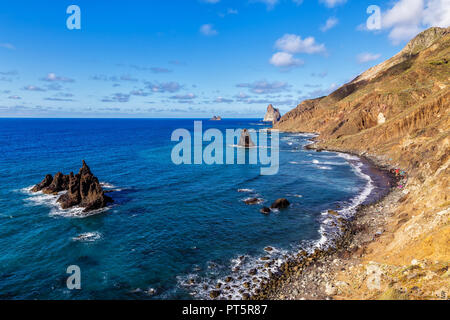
(173, 230)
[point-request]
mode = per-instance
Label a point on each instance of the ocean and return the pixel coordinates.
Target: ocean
(174, 231)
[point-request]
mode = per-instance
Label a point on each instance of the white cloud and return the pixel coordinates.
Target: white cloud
(269, 3)
(285, 60)
(52, 77)
(333, 3)
(223, 100)
(33, 88)
(437, 13)
(331, 23)
(406, 18)
(208, 30)
(264, 87)
(7, 46)
(188, 96)
(295, 44)
(367, 57)
(163, 87)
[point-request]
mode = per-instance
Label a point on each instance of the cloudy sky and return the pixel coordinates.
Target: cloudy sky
(193, 58)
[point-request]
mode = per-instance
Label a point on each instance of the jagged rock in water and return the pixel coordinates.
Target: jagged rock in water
(246, 140)
(60, 183)
(272, 115)
(43, 184)
(83, 189)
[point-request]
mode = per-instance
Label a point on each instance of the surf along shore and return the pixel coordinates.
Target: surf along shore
(315, 276)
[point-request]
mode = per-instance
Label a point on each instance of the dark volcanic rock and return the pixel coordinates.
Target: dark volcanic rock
(44, 183)
(60, 183)
(265, 210)
(215, 294)
(83, 189)
(281, 204)
(252, 201)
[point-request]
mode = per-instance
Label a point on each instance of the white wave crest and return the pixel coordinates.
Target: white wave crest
(88, 237)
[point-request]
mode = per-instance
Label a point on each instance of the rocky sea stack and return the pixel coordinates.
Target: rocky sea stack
(83, 189)
(272, 115)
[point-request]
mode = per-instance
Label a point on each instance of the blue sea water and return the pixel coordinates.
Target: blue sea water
(173, 231)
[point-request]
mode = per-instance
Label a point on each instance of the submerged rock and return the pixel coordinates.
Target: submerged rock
(281, 204)
(246, 140)
(253, 201)
(83, 189)
(265, 210)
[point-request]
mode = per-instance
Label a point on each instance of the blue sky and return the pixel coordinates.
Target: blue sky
(192, 58)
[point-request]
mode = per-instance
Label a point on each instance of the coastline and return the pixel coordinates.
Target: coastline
(309, 276)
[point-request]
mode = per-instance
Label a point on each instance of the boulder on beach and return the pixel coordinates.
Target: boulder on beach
(215, 294)
(246, 140)
(83, 189)
(281, 204)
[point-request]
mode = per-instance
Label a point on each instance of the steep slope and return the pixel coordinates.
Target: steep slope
(397, 113)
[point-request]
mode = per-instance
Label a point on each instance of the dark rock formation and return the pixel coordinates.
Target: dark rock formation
(265, 210)
(216, 118)
(246, 140)
(83, 189)
(215, 294)
(273, 115)
(44, 183)
(281, 204)
(60, 183)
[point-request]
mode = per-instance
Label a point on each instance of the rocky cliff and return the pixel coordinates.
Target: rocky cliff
(83, 189)
(272, 115)
(397, 113)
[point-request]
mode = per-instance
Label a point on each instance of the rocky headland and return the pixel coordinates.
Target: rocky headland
(83, 189)
(396, 114)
